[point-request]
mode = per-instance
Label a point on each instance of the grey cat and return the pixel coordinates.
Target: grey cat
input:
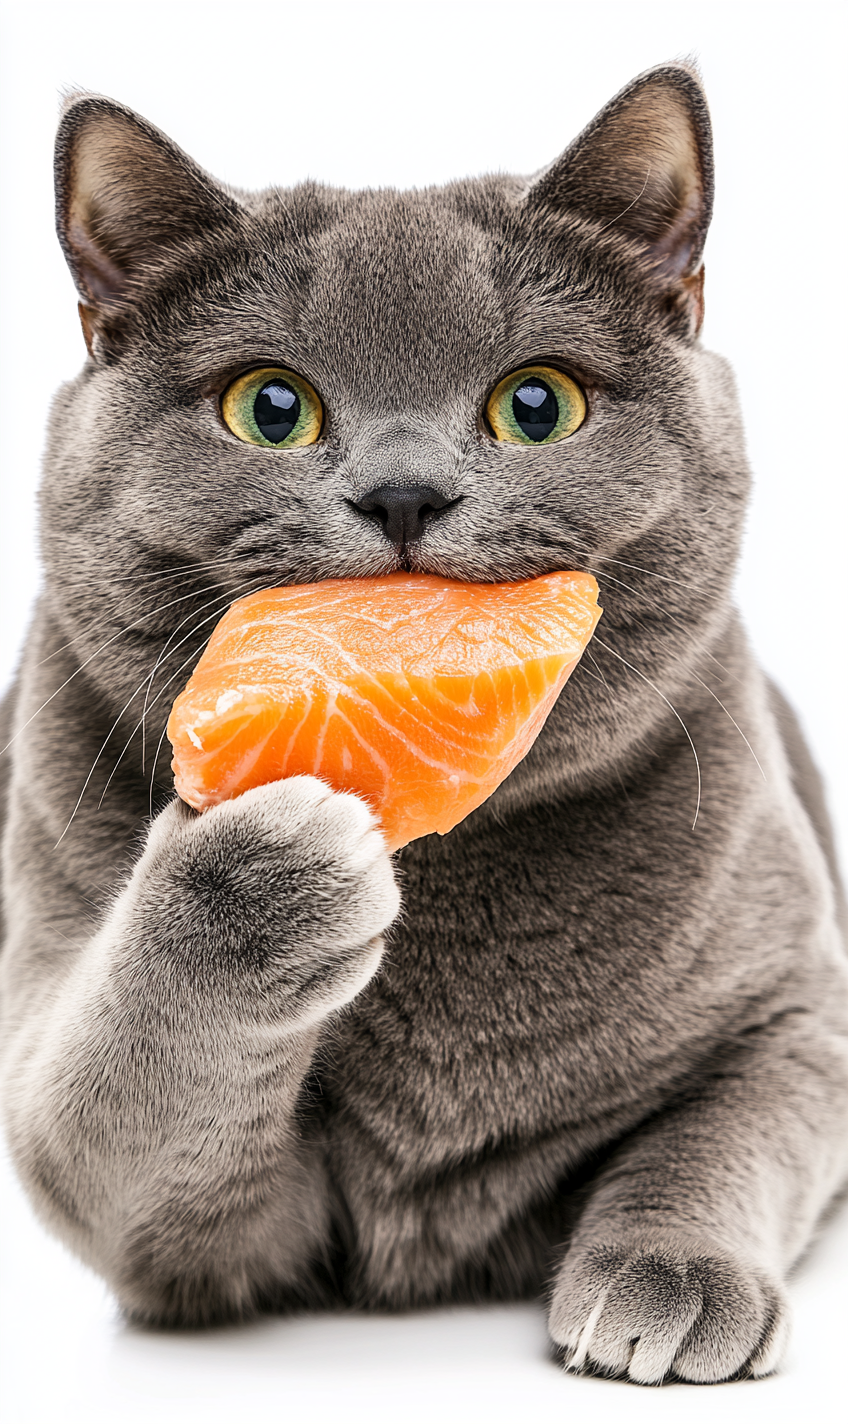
(601, 1052)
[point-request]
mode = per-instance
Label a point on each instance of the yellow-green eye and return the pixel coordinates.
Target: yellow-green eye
(535, 406)
(273, 407)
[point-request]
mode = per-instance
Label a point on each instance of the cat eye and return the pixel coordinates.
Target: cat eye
(273, 407)
(535, 406)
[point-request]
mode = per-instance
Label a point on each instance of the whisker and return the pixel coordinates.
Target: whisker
(148, 681)
(103, 646)
(147, 704)
(600, 643)
(94, 764)
(151, 575)
(155, 762)
(150, 604)
(639, 569)
(165, 728)
(241, 589)
(601, 574)
(698, 679)
(593, 675)
(733, 720)
(594, 662)
(159, 748)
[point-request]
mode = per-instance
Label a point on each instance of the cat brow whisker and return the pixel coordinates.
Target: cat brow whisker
(606, 646)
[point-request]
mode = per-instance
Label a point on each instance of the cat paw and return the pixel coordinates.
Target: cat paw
(289, 884)
(662, 1305)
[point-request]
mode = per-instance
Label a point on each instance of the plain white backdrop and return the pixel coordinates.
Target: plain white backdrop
(409, 94)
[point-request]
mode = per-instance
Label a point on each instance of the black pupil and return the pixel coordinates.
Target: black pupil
(276, 411)
(535, 408)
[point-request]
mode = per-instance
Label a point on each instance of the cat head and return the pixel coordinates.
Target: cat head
(397, 326)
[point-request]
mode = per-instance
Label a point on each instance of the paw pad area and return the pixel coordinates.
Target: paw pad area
(658, 1311)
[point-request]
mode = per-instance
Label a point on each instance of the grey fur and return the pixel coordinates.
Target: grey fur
(604, 1050)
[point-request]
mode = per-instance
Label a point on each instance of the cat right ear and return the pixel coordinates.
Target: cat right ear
(125, 196)
(644, 169)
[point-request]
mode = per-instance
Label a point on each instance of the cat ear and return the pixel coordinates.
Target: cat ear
(124, 195)
(644, 168)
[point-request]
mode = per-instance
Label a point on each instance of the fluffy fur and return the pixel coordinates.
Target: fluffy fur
(602, 1052)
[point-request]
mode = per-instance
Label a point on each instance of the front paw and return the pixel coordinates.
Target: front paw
(287, 888)
(663, 1305)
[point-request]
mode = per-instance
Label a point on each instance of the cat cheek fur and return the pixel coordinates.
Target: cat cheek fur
(601, 1052)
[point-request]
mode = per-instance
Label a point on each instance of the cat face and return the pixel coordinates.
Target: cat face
(404, 312)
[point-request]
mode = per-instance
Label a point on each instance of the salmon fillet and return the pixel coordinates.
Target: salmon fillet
(418, 693)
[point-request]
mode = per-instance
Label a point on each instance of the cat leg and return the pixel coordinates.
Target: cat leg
(151, 1084)
(676, 1266)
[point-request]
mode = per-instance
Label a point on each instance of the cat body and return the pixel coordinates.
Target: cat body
(602, 1050)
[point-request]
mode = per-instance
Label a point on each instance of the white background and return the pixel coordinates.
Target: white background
(409, 94)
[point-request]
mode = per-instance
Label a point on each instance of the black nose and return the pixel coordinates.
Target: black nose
(403, 509)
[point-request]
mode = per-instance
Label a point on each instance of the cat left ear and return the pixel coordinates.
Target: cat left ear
(125, 196)
(644, 168)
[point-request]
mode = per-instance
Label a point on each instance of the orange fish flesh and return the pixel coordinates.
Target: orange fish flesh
(418, 693)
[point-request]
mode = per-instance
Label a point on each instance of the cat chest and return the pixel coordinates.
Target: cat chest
(443, 1063)
(517, 998)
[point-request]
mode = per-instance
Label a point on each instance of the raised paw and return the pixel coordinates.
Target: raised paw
(664, 1305)
(289, 885)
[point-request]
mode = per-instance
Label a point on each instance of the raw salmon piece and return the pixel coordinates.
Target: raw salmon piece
(419, 693)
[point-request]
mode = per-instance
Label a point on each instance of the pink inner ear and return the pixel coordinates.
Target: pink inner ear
(104, 280)
(643, 169)
(126, 195)
(677, 244)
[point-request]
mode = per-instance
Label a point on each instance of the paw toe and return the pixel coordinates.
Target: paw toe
(666, 1309)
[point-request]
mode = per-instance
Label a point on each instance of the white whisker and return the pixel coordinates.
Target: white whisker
(146, 681)
(733, 720)
(153, 768)
(240, 590)
(693, 674)
(228, 599)
(600, 643)
(593, 675)
(151, 605)
(599, 573)
(596, 665)
(638, 568)
(103, 646)
(149, 601)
